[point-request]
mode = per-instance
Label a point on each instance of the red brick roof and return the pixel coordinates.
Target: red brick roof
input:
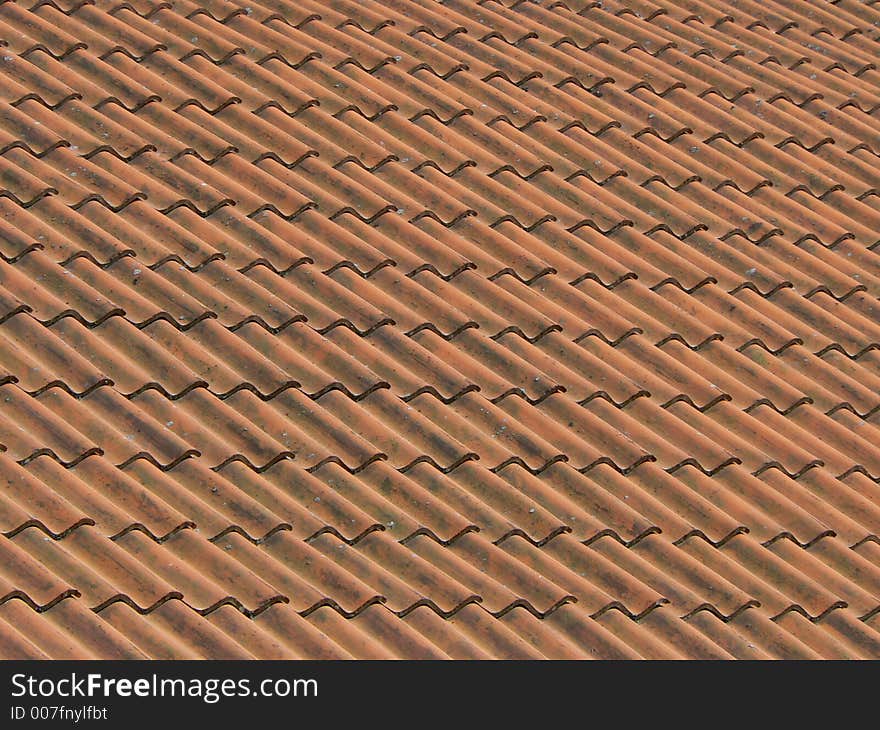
(413, 329)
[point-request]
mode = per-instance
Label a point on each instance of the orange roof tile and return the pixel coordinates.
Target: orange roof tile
(341, 328)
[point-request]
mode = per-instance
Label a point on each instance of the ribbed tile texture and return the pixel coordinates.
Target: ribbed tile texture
(413, 329)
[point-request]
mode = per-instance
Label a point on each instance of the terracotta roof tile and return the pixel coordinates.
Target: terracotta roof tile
(464, 330)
